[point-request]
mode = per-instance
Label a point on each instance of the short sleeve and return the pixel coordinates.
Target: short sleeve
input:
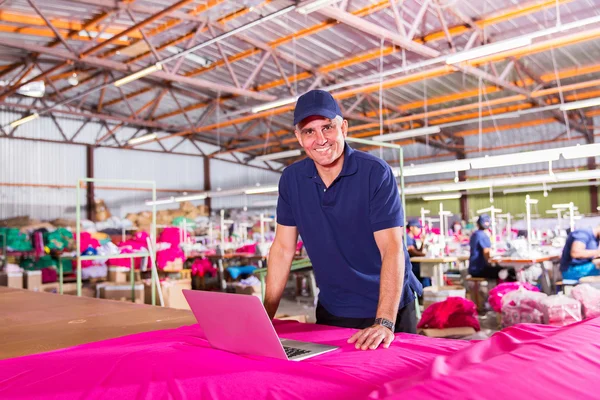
(385, 205)
(484, 241)
(285, 215)
(410, 241)
(581, 236)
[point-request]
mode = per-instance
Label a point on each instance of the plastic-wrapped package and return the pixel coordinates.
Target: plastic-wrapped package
(522, 306)
(589, 297)
(501, 290)
(560, 310)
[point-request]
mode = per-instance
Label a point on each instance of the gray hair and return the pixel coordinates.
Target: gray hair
(338, 122)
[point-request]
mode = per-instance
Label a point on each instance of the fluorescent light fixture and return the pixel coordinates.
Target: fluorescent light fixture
(526, 189)
(264, 189)
(24, 120)
(191, 197)
(306, 7)
(35, 89)
(437, 168)
(448, 196)
(351, 139)
(202, 61)
(137, 75)
(163, 201)
(581, 151)
(488, 49)
(143, 139)
(574, 105)
(274, 104)
(506, 160)
(420, 190)
(428, 130)
(468, 185)
(556, 206)
(277, 156)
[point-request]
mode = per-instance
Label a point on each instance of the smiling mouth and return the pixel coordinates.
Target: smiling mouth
(322, 150)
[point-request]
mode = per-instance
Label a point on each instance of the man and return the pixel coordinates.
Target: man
(346, 206)
(481, 248)
(580, 254)
(414, 230)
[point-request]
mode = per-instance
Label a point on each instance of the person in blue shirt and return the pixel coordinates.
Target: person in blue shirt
(414, 229)
(580, 256)
(481, 247)
(345, 204)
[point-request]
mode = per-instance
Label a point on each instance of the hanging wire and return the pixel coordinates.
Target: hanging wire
(381, 94)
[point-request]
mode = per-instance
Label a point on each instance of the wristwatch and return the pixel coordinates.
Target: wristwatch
(385, 322)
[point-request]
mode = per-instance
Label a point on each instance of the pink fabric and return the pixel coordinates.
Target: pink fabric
(561, 310)
(249, 248)
(165, 256)
(454, 312)
(522, 362)
(203, 267)
(86, 241)
(496, 294)
(134, 245)
(171, 235)
(180, 364)
(49, 275)
(299, 246)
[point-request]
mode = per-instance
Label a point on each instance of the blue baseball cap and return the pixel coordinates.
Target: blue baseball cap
(413, 222)
(483, 220)
(316, 102)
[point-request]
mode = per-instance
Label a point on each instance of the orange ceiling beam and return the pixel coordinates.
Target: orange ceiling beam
(34, 20)
(47, 32)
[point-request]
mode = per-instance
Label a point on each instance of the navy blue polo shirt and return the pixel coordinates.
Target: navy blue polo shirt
(479, 241)
(580, 235)
(337, 226)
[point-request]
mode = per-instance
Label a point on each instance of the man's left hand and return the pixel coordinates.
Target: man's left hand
(372, 337)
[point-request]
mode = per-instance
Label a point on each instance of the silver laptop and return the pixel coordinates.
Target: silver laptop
(239, 324)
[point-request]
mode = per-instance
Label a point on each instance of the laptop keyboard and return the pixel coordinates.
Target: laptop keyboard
(293, 352)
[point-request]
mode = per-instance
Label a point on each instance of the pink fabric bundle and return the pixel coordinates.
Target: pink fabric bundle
(249, 248)
(49, 275)
(172, 235)
(87, 241)
(496, 294)
(589, 297)
(202, 267)
(134, 245)
(522, 306)
(299, 246)
(171, 254)
(561, 310)
(454, 312)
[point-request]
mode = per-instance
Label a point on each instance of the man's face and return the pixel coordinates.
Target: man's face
(415, 230)
(322, 139)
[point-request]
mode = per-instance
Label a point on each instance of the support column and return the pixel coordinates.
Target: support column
(207, 201)
(462, 176)
(90, 209)
(593, 189)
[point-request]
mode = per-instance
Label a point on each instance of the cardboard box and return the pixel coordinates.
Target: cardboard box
(299, 318)
(32, 280)
(69, 288)
(12, 279)
(448, 332)
(433, 295)
(253, 290)
(172, 290)
(120, 291)
(117, 274)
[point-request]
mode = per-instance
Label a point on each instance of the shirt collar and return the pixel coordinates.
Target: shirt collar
(350, 166)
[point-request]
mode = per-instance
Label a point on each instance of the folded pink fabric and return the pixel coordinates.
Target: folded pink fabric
(454, 312)
(180, 364)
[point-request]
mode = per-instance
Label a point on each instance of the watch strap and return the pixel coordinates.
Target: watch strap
(385, 322)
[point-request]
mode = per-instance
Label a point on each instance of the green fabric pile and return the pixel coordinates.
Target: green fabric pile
(15, 240)
(58, 240)
(190, 223)
(29, 264)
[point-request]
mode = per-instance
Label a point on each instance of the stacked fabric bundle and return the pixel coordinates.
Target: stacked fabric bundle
(171, 257)
(454, 312)
(497, 293)
(15, 240)
(561, 310)
(589, 297)
(522, 306)
(134, 245)
(202, 267)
